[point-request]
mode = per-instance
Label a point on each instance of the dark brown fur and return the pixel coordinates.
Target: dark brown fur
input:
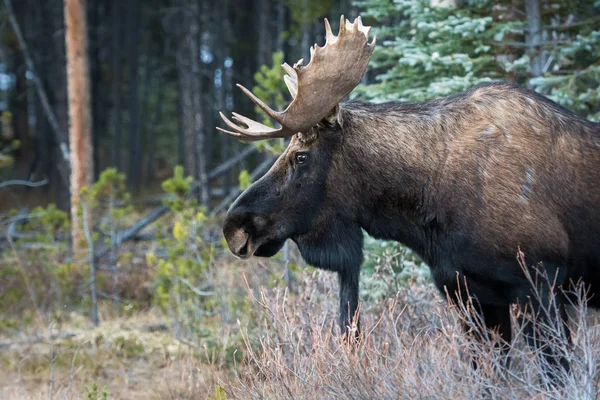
(464, 181)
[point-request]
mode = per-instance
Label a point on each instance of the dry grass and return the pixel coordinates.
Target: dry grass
(412, 347)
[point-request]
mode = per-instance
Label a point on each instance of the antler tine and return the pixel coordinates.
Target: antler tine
(254, 131)
(268, 110)
(291, 79)
(292, 85)
(342, 25)
(329, 36)
(290, 71)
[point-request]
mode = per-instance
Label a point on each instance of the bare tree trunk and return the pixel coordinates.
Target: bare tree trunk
(280, 24)
(534, 36)
(116, 84)
(152, 131)
(263, 32)
(134, 99)
(305, 33)
(80, 121)
(188, 65)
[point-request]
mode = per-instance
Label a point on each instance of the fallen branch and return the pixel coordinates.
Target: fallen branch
(194, 289)
(22, 183)
(258, 172)
(227, 165)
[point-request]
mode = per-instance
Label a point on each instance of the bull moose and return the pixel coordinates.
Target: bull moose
(464, 181)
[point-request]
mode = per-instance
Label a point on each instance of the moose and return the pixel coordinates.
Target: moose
(464, 181)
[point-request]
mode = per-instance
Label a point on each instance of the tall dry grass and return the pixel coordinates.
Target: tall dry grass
(412, 347)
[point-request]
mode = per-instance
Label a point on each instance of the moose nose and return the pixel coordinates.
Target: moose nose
(237, 236)
(242, 252)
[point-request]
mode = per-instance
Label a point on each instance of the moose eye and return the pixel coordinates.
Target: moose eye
(301, 158)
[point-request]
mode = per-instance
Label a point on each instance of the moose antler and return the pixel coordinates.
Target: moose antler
(333, 71)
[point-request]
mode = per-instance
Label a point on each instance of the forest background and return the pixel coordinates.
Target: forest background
(122, 286)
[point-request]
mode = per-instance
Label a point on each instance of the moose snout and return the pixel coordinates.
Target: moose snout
(240, 230)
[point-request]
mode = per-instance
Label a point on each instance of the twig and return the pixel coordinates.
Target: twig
(195, 289)
(90, 243)
(52, 361)
(565, 27)
(523, 44)
(23, 183)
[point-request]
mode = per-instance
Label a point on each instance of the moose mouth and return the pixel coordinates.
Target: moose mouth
(244, 246)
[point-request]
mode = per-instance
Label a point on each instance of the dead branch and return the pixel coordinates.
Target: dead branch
(259, 171)
(60, 137)
(23, 183)
(227, 165)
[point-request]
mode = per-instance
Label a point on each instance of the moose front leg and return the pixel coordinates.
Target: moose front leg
(349, 301)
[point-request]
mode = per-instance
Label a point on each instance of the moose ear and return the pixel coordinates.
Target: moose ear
(333, 117)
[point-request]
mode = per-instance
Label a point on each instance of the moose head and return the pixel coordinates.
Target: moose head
(302, 197)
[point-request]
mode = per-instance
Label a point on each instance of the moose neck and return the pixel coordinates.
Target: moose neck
(396, 152)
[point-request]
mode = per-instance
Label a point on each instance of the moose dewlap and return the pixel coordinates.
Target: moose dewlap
(464, 181)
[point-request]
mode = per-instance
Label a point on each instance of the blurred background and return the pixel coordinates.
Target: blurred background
(123, 280)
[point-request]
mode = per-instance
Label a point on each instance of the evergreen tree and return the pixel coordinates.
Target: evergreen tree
(427, 51)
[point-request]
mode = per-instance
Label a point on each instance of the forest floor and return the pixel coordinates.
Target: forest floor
(286, 345)
(129, 358)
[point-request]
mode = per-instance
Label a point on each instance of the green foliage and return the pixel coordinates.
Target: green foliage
(431, 51)
(183, 274)
(245, 180)
(426, 52)
(388, 266)
(219, 394)
(8, 144)
(305, 13)
(108, 202)
(179, 187)
(577, 88)
(46, 268)
(271, 88)
(40, 269)
(92, 393)
(179, 274)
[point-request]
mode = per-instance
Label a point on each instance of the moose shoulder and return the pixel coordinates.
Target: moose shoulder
(464, 181)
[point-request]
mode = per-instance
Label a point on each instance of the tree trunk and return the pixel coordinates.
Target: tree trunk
(116, 85)
(280, 24)
(188, 65)
(80, 121)
(152, 131)
(262, 17)
(134, 100)
(305, 33)
(534, 36)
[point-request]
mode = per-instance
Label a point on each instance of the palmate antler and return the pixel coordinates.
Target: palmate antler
(333, 72)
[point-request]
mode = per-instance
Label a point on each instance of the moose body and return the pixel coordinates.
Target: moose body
(465, 181)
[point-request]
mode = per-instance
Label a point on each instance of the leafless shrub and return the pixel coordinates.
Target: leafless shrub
(412, 346)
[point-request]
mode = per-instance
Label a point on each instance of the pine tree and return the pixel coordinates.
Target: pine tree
(80, 118)
(427, 51)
